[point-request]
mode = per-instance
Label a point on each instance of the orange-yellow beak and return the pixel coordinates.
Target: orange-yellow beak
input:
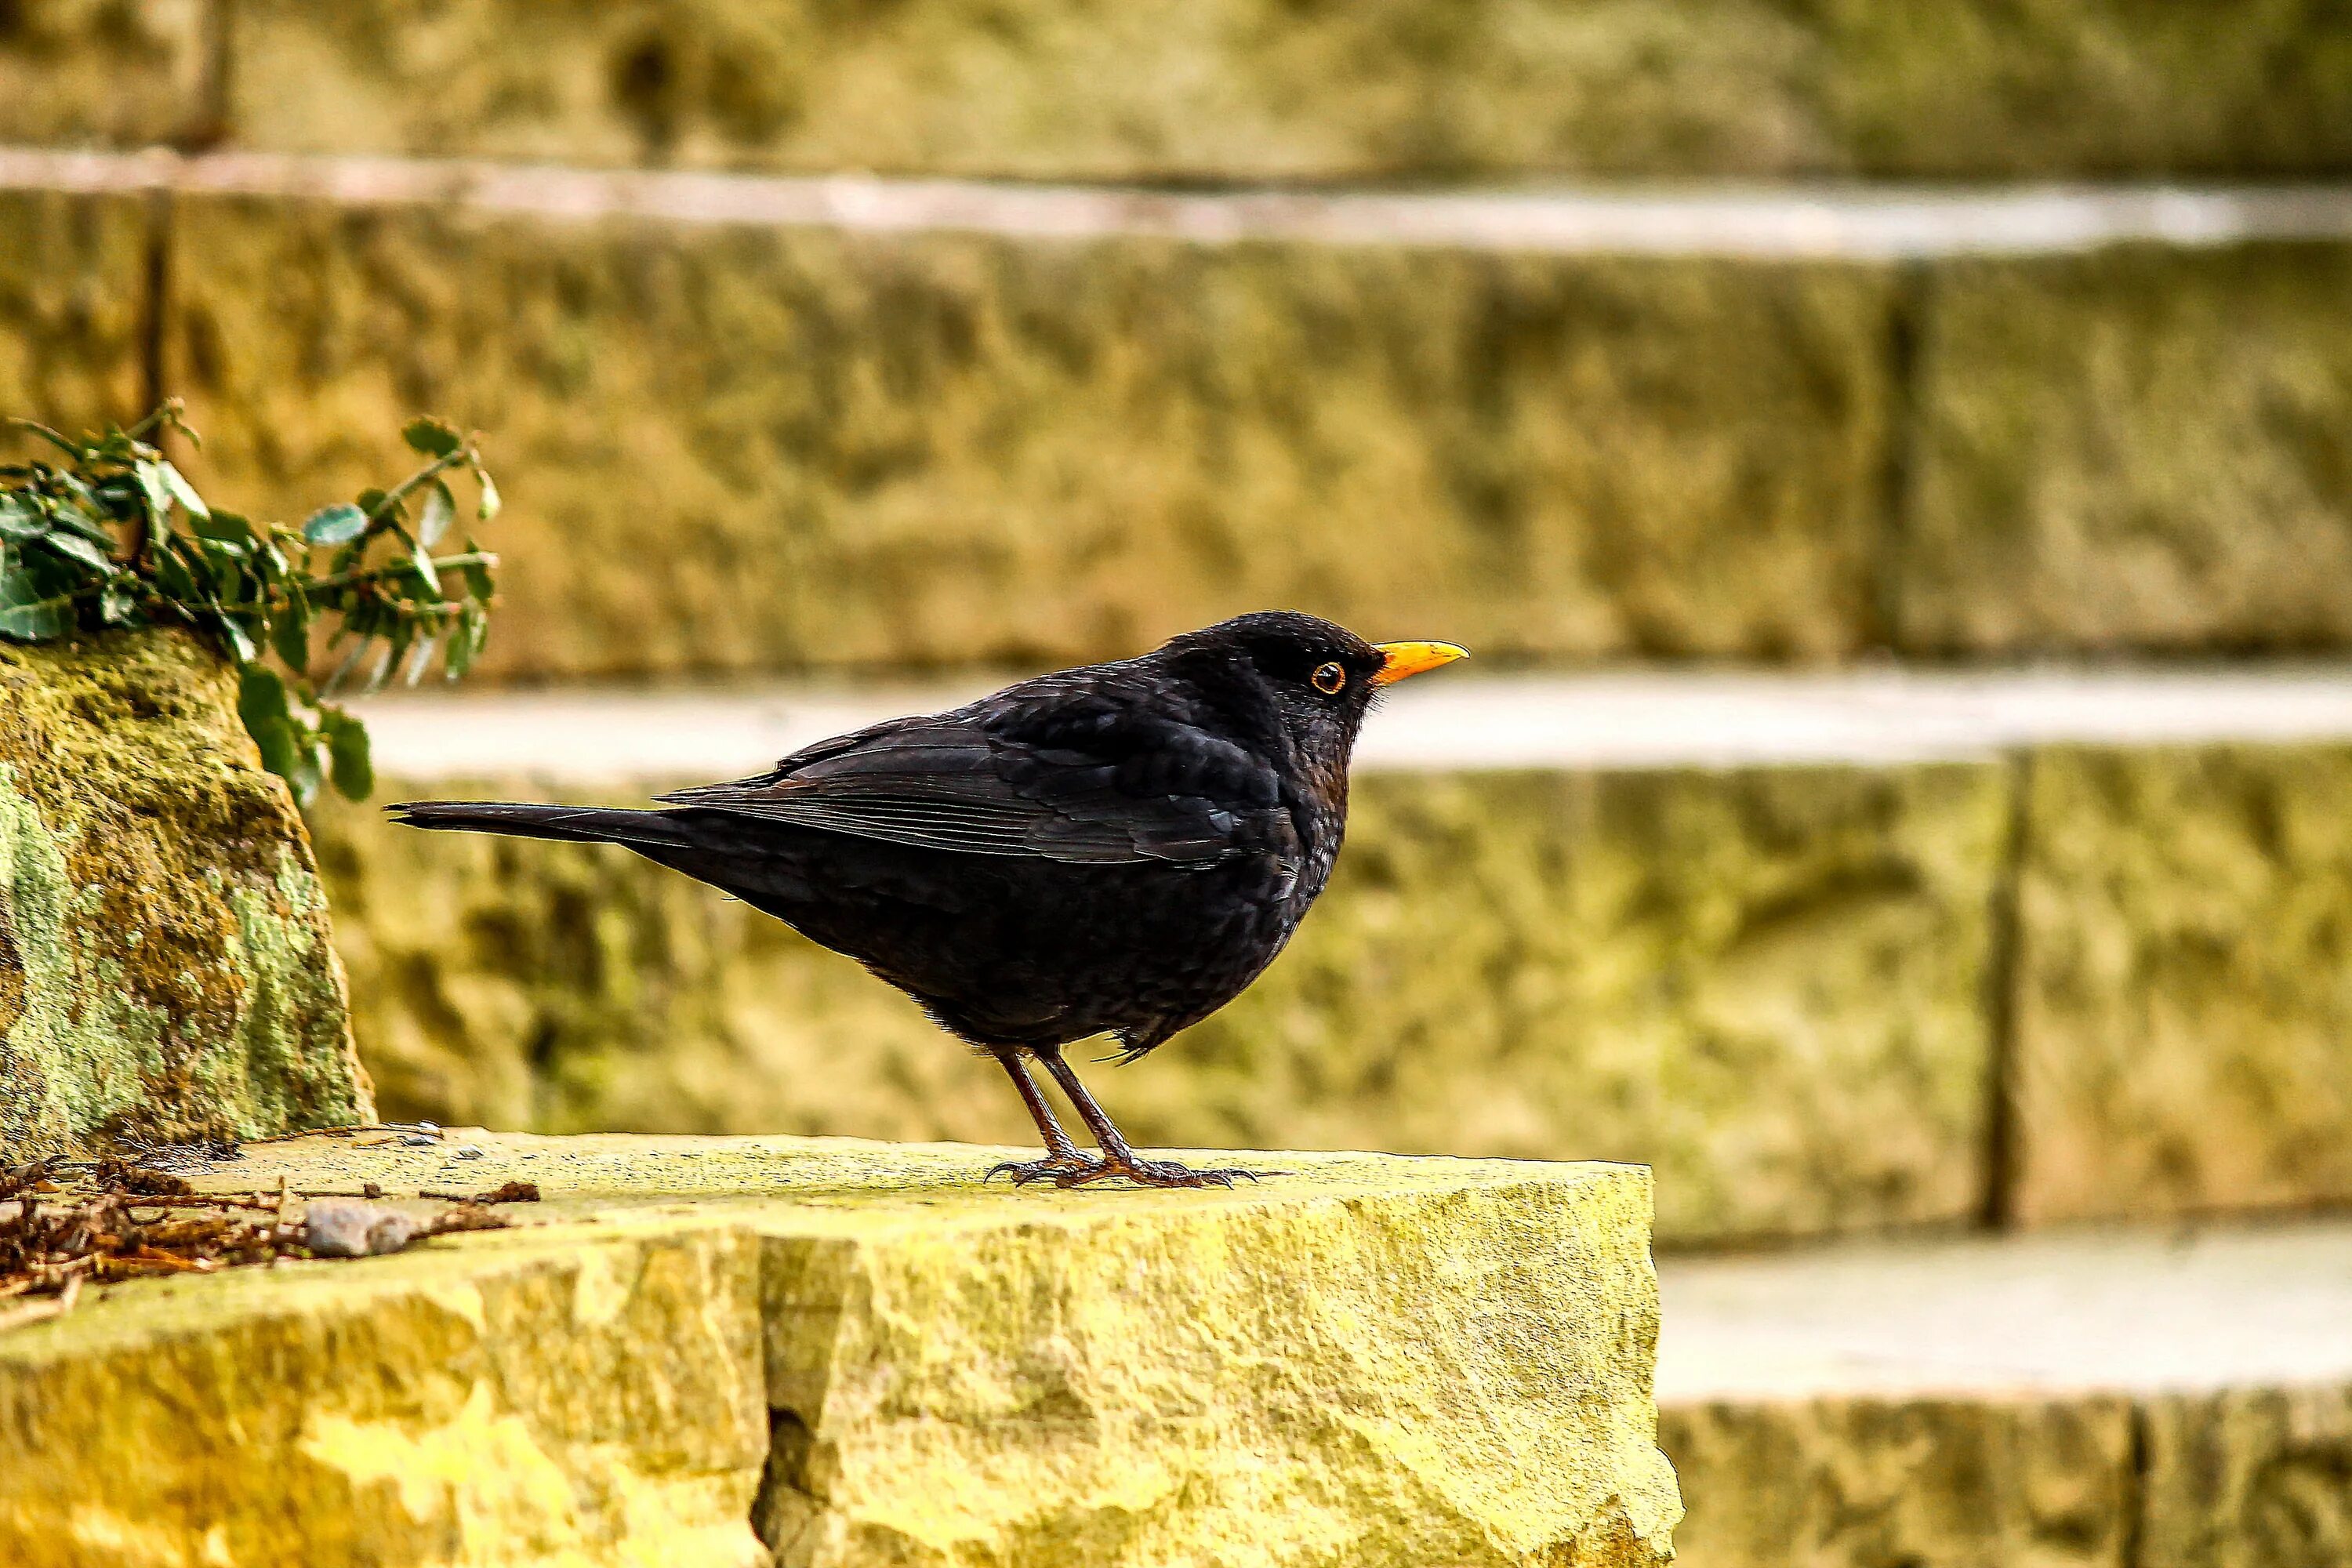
(1403, 659)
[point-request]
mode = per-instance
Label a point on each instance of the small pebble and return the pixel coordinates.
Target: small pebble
(351, 1227)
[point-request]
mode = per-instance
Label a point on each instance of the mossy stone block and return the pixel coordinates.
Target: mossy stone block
(1766, 983)
(737, 447)
(73, 311)
(2183, 1026)
(166, 968)
(1853, 1479)
(2248, 1478)
(2143, 449)
(1270, 89)
(120, 73)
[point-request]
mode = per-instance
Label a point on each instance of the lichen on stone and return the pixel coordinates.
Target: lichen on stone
(166, 970)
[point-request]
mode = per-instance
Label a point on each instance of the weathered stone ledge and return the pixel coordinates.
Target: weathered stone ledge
(708, 1351)
(2083, 1399)
(1823, 221)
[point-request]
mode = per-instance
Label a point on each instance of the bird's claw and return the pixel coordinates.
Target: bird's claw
(1054, 1168)
(1146, 1173)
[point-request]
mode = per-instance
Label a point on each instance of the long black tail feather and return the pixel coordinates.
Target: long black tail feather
(570, 823)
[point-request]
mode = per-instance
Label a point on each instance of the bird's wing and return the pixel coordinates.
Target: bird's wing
(1074, 779)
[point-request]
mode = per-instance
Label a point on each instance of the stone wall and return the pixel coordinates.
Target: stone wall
(1767, 984)
(2243, 1478)
(754, 447)
(166, 970)
(2184, 988)
(1785, 988)
(736, 448)
(74, 312)
(750, 448)
(2144, 448)
(1222, 89)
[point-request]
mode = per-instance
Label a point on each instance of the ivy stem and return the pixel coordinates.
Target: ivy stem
(463, 458)
(358, 578)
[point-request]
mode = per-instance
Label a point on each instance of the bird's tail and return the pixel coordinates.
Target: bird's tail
(574, 824)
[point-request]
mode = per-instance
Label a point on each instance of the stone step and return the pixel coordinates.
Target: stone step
(751, 425)
(1246, 90)
(2145, 1399)
(1473, 719)
(1898, 947)
(704, 1352)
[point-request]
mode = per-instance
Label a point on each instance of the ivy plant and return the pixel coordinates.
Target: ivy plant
(106, 533)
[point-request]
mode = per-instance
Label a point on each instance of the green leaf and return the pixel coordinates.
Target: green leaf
(431, 436)
(172, 572)
(224, 525)
(261, 704)
(463, 643)
(370, 499)
(20, 518)
(157, 490)
(440, 509)
(119, 604)
(347, 750)
(75, 547)
(28, 612)
(290, 633)
(478, 575)
(490, 503)
(305, 777)
(66, 514)
(424, 565)
(240, 640)
(420, 659)
(338, 524)
(184, 492)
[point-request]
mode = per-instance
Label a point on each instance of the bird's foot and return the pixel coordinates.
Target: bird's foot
(1146, 1173)
(1055, 1168)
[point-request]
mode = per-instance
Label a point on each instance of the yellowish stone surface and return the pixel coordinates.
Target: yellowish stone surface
(2183, 1030)
(124, 73)
(732, 447)
(1386, 89)
(2141, 447)
(73, 310)
(1364, 1359)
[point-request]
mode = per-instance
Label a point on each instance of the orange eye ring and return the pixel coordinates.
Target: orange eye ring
(1329, 677)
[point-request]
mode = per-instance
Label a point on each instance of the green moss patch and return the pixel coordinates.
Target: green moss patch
(166, 970)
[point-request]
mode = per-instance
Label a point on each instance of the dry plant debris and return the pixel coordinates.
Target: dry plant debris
(64, 1225)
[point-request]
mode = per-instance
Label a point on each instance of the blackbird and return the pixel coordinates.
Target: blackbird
(1114, 850)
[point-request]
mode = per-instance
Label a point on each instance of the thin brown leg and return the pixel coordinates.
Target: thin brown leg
(1118, 1160)
(1063, 1157)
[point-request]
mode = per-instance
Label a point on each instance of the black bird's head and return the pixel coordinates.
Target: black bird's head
(1314, 678)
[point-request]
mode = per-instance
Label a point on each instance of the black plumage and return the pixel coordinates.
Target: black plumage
(1116, 849)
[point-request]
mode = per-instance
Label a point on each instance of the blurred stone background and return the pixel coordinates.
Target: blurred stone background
(764, 420)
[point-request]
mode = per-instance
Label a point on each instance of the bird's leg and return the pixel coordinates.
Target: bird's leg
(1117, 1158)
(1063, 1157)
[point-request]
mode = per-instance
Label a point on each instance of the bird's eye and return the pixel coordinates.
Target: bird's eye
(1329, 677)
